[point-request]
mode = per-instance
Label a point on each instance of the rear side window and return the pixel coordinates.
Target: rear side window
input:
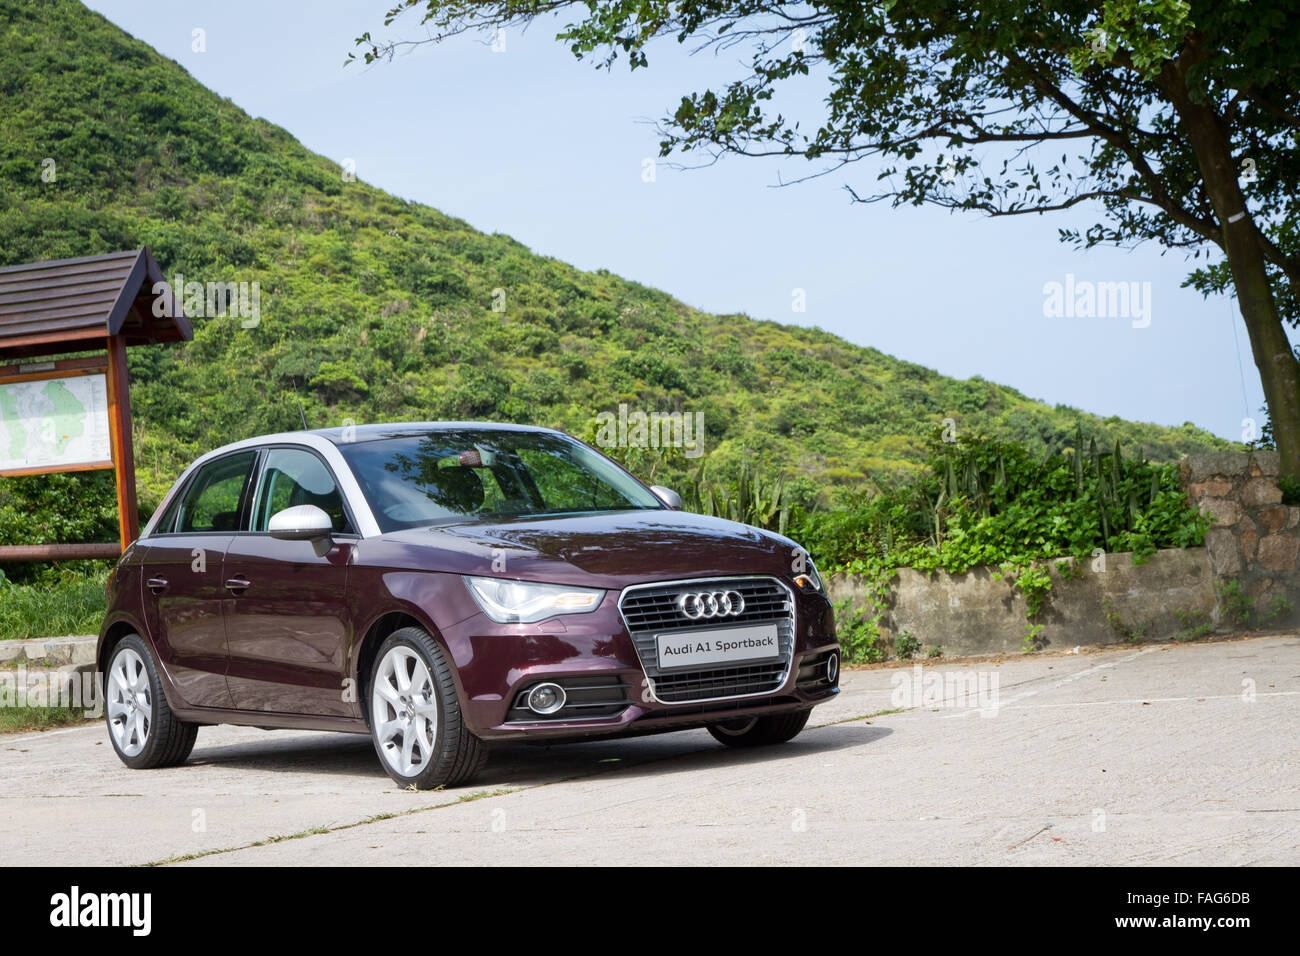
(294, 476)
(212, 501)
(168, 520)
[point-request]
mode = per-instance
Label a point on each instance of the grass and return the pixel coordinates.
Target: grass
(14, 663)
(16, 720)
(18, 716)
(879, 713)
(72, 604)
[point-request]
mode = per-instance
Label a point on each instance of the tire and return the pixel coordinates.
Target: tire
(141, 726)
(761, 731)
(421, 719)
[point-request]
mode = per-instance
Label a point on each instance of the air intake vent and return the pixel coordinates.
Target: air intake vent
(600, 695)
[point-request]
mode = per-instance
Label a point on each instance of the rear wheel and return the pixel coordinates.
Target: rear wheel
(415, 716)
(144, 731)
(760, 731)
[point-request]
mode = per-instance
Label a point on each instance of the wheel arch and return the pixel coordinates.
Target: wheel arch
(109, 638)
(376, 632)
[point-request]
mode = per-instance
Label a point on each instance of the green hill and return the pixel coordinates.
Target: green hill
(375, 309)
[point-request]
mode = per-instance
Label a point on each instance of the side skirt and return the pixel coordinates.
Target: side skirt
(268, 720)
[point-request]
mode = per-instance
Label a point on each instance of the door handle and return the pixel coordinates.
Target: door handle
(156, 584)
(238, 583)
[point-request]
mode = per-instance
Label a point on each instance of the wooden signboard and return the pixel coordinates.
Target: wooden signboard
(54, 419)
(70, 415)
(74, 414)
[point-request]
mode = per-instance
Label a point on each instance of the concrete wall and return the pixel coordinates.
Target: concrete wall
(1255, 541)
(977, 613)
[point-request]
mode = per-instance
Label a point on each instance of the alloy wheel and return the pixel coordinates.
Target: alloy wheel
(404, 711)
(130, 704)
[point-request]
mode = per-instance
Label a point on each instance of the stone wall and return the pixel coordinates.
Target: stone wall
(1253, 543)
(1109, 601)
(1255, 539)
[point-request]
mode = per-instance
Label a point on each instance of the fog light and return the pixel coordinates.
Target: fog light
(546, 698)
(832, 667)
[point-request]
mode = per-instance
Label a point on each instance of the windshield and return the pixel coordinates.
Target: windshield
(459, 475)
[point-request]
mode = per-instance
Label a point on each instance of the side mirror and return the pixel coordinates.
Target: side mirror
(300, 523)
(669, 497)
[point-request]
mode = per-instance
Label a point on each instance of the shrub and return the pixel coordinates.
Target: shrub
(1235, 602)
(858, 632)
(993, 503)
(906, 646)
(1279, 608)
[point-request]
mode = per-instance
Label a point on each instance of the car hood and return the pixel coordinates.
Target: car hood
(619, 548)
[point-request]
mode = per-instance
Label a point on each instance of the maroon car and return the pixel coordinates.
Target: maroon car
(442, 585)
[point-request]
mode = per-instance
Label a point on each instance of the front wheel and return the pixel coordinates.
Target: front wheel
(144, 731)
(760, 731)
(415, 716)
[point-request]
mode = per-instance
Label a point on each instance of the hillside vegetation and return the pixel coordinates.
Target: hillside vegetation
(378, 309)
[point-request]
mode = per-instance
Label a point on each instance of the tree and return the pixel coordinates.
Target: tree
(1175, 118)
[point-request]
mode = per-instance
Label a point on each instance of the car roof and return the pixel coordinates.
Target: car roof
(350, 434)
(359, 433)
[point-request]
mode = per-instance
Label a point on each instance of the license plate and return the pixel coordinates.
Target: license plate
(723, 646)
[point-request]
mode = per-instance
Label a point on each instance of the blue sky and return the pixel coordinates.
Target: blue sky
(534, 144)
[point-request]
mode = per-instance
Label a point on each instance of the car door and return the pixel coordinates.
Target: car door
(183, 588)
(287, 623)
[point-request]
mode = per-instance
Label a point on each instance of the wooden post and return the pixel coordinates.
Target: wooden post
(119, 432)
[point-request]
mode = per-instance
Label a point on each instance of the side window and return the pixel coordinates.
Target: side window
(212, 500)
(293, 476)
(168, 520)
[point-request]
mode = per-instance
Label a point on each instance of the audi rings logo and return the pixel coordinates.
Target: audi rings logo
(701, 604)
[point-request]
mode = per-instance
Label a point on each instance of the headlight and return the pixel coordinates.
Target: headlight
(810, 580)
(522, 602)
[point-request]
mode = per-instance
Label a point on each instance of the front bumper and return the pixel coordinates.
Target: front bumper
(649, 718)
(610, 690)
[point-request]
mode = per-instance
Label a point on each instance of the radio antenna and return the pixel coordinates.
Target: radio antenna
(293, 380)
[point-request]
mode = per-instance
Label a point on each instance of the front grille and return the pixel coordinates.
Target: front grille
(724, 682)
(652, 609)
(587, 698)
(655, 609)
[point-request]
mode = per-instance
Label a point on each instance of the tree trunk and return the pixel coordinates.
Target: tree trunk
(1278, 369)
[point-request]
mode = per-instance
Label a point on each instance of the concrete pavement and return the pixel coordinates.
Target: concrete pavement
(1178, 754)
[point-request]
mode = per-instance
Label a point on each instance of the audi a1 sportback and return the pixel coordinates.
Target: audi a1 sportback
(443, 585)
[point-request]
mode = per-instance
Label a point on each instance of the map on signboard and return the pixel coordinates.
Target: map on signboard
(54, 423)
